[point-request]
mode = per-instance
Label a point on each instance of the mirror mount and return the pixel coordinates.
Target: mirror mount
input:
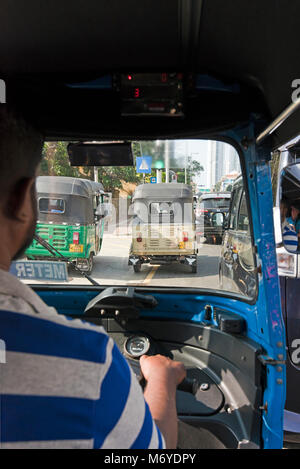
(225, 225)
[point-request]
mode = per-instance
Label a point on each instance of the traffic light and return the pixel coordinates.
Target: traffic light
(159, 164)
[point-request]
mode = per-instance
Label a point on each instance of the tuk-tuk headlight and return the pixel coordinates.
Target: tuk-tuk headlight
(286, 263)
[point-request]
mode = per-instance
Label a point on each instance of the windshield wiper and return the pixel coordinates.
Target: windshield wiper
(54, 251)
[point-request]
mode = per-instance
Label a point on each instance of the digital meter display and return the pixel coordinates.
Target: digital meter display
(137, 346)
(145, 94)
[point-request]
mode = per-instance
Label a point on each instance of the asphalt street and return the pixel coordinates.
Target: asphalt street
(111, 267)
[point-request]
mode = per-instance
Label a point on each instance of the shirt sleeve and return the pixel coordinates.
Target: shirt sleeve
(122, 416)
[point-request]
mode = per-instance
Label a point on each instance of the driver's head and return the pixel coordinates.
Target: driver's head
(283, 210)
(20, 154)
(294, 212)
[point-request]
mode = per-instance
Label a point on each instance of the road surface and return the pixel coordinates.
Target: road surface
(111, 268)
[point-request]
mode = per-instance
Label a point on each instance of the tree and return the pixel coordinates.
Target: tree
(113, 177)
(217, 186)
(193, 168)
(55, 161)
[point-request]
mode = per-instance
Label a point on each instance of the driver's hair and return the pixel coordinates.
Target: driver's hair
(20, 149)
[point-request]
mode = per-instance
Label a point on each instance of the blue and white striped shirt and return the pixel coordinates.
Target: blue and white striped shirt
(65, 384)
(289, 237)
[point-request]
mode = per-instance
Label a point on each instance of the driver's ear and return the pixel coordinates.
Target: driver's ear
(19, 200)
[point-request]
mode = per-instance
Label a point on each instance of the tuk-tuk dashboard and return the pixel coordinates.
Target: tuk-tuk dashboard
(218, 358)
(213, 359)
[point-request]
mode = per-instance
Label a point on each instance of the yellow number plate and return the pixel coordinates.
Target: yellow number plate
(76, 247)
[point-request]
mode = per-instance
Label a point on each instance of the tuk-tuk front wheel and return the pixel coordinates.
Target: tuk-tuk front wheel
(90, 263)
(137, 267)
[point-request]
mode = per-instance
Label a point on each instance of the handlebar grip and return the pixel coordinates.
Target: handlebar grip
(188, 385)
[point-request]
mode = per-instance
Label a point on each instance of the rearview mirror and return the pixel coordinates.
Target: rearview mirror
(131, 210)
(101, 211)
(218, 219)
(100, 154)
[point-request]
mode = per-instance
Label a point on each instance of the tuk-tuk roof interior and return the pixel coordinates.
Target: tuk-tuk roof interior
(163, 190)
(45, 46)
(67, 186)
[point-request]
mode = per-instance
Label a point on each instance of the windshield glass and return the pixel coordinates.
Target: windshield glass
(48, 205)
(218, 202)
(140, 225)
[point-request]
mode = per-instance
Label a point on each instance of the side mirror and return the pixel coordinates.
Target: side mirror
(226, 222)
(218, 219)
(131, 210)
(101, 212)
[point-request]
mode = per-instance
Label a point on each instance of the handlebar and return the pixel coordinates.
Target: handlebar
(187, 385)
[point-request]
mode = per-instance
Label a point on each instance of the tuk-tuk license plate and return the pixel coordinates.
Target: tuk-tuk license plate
(76, 247)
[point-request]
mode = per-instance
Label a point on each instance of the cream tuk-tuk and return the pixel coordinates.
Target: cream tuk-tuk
(163, 226)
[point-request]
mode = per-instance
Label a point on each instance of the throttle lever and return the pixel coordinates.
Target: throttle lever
(187, 385)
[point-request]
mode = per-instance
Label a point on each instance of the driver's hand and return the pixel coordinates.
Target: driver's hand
(162, 370)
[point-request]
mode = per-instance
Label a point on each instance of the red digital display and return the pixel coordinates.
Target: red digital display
(155, 94)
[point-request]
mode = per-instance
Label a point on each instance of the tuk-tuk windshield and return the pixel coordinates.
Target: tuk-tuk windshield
(161, 208)
(216, 202)
(140, 225)
(49, 205)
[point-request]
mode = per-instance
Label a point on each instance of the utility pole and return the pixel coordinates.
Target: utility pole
(167, 161)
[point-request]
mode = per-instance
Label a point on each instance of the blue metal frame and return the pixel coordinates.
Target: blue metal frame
(265, 322)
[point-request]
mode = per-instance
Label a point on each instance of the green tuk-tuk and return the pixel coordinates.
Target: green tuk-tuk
(71, 214)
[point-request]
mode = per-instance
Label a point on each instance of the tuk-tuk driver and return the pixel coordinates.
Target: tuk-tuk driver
(65, 383)
(289, 235)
